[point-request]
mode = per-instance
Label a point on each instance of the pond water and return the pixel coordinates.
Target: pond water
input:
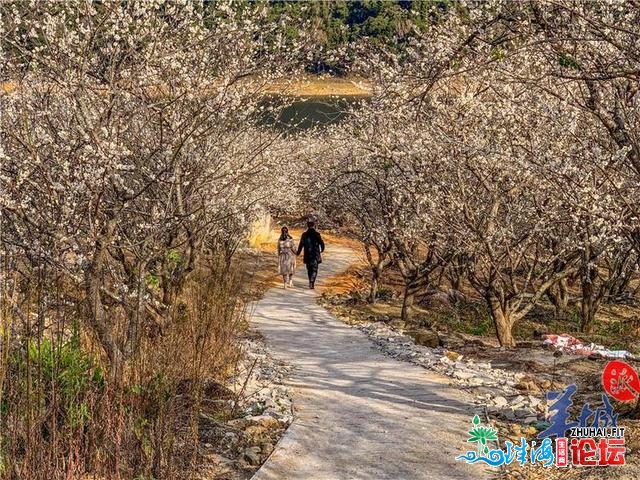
(310, 112)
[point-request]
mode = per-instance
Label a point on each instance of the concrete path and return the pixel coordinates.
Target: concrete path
(359, 413)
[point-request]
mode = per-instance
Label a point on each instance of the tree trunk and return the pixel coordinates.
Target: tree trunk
(503, 321)
(589, 304)
(377, 265)
(558, 295)
(589, 307)
(503, 329)
(407, 303)
(375, 278)
(97, 316)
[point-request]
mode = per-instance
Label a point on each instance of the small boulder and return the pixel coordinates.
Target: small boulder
(451, 355)
(528, 385)
(476, 382)
(425, 337)
(252, 456)
(534, 401)
(438, 298)
(500, 402)
(546, 384)
(463, 374)
(522, 413)
(398, 324)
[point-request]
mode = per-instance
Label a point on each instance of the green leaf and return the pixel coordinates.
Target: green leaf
(567, 61)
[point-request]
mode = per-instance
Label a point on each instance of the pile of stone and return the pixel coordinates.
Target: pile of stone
(265, 407)
(502, 392)
(259, 410)
(259, 383)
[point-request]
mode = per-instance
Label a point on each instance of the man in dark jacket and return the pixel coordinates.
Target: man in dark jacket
(313, 246)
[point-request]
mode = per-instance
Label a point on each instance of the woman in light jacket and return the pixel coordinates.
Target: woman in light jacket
(286, 257)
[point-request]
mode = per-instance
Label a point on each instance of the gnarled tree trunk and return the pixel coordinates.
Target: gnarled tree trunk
(407, 303)
(589, 306)
(503, 320)
(558, 295)
(378, 265)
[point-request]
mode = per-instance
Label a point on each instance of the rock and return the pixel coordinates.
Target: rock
(257, 434)
(522, 413)
(266, 421)
(252, 456)
(545, 384)
(529, 430)
(224, 466)
(528, 385)
(398, 324)
(453, 355)
(531, 419)
(438, 298)
(476, 381)
(266, 448)
(463, 374)
(500, 402)
(534, 401)
(286, 419)
(425, 337)
(239, 423)
(230, 439)
(254, 409)
(510, 415)
(446, 361)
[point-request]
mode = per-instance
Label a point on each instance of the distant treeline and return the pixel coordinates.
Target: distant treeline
(338, 22)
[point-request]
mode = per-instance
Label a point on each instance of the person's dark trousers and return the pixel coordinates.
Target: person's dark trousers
(312, 272)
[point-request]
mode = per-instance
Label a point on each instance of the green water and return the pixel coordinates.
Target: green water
(311, 112)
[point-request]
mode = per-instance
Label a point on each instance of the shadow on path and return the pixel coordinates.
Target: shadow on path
(359, 413)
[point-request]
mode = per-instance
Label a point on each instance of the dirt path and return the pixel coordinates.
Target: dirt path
(359, 413)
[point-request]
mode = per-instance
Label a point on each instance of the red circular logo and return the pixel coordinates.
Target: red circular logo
(620, 381)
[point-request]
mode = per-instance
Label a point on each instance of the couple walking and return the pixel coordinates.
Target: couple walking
(312, 244)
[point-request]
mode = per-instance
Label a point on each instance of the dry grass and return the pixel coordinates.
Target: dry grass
(7, 87)
(313, 86)
(64, 418)
(300, 87)
(262, 236)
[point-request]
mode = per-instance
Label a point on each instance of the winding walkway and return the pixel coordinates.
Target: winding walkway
(359, 413)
